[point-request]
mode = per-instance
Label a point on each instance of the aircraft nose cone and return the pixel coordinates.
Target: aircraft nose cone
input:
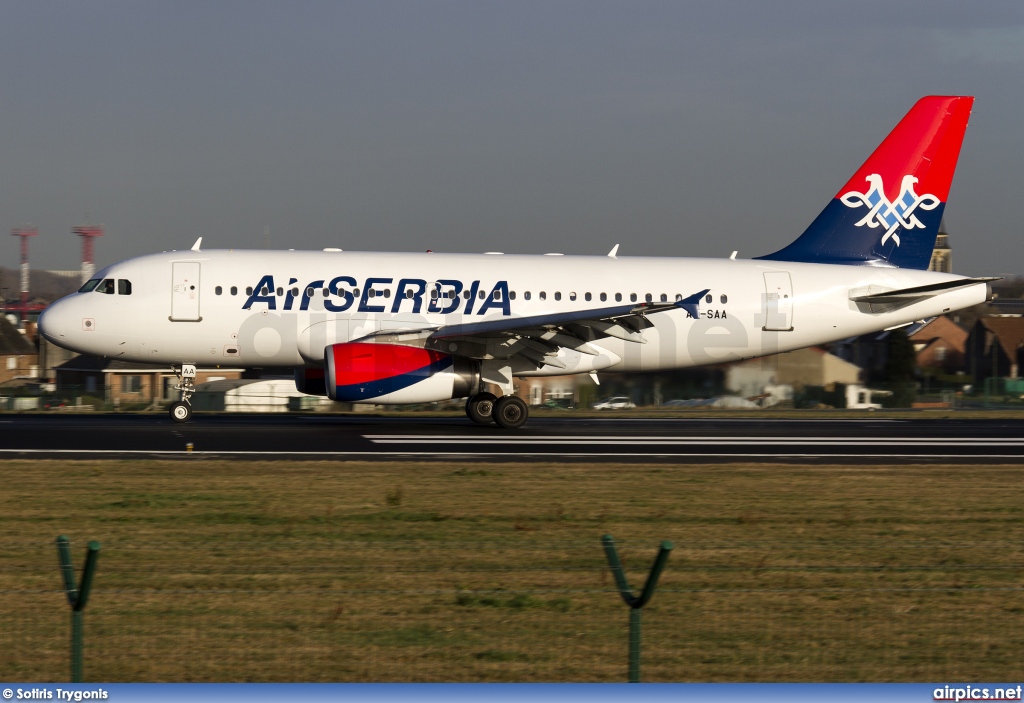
(53, 324)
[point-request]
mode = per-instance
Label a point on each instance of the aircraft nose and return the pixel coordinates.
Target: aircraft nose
(53, 323)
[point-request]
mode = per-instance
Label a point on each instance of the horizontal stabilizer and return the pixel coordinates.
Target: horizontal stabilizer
(904, 295)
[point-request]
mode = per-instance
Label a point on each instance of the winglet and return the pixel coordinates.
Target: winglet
(613, 254)
(690, 304)
(199, 242)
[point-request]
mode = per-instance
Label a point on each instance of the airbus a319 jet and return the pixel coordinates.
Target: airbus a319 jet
(391, 328)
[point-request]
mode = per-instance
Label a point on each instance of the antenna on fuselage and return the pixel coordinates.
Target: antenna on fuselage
(199, 242)
(613, 254)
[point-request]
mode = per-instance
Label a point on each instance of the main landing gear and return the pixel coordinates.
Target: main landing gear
(509, 412)
(181, 410)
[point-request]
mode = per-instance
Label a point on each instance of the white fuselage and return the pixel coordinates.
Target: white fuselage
(191, 306)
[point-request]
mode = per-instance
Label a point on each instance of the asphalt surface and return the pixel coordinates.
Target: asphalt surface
(617, 439)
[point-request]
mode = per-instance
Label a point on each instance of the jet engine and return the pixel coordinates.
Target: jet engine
(360, 372)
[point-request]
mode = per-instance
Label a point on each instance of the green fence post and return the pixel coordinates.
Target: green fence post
(635, 603)
(78, 596)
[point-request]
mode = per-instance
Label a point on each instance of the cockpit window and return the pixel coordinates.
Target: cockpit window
(124, 286)
(106, 286)
(88, 285)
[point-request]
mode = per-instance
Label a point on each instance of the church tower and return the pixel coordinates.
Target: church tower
(942, 254)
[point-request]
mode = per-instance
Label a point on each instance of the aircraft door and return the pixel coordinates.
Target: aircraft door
(185, 291)
(778, 301)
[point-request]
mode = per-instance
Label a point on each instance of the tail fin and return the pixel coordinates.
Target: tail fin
(889, 212)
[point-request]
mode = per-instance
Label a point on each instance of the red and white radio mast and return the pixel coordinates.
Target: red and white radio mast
(24, 233)
(88, 233)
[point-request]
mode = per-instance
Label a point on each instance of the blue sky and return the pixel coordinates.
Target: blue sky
(683, 129)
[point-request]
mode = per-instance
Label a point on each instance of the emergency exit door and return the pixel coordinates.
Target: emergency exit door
(185, 291)
(778, 301)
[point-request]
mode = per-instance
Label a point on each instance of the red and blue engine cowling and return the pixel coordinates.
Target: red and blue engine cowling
(358, 372)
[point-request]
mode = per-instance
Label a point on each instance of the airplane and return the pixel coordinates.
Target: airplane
(392, 328)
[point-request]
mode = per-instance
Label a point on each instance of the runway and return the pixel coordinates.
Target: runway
(613, 439)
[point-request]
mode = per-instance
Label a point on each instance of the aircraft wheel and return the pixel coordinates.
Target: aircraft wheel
(180, 411)
(480, 408)
(511, 412)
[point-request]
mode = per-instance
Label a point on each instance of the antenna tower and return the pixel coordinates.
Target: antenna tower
(88, 233)
(24, 233)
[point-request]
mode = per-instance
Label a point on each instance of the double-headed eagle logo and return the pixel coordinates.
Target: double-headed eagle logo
(892, 216)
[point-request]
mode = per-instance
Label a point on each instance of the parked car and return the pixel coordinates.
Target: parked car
(619, 402)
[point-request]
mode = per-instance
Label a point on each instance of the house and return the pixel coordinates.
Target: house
(122, 383)
(560, 390)
(801, 368)
(995, 347)
(256, 395)
(18, 356)
(940, 345)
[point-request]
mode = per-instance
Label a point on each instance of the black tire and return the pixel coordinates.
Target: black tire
(180, 411)
(480, 408)
(511, 412)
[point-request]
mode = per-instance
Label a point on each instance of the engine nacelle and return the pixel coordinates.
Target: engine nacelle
(310, 381)
(358, 372)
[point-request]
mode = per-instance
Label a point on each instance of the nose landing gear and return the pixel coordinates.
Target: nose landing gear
(181, 410)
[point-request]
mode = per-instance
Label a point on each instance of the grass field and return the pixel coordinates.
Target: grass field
(343, 571)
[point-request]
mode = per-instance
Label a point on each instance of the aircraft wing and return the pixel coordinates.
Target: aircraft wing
(539, 337)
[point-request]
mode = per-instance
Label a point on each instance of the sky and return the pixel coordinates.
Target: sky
(671, 128)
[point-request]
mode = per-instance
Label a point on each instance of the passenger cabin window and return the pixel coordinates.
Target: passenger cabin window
(604, 297)
(124, 287)
(543, 295)
(587, 297)
(248, 290)
(106, 286)
(618, 297)
(526, 295)
(648, 297)
(234, 290)
(708, 298)
(89, 285)
(632, 297)
(724, 299)
(218, 290)
(558, 295)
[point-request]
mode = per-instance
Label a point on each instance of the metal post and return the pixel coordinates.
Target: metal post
(78, 597)
(635, 603)
(76, 646)
(635, 633)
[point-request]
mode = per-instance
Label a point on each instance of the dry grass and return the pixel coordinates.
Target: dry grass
(216, 570)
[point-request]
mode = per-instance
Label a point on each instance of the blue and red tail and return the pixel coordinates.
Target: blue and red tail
(889, 212)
